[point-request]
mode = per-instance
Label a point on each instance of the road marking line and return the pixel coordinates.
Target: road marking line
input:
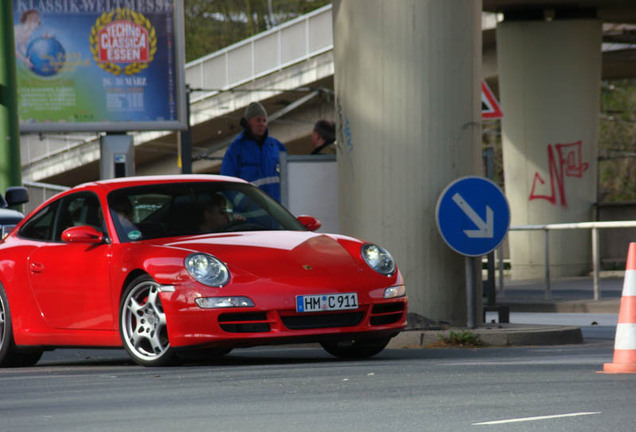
(525, 419)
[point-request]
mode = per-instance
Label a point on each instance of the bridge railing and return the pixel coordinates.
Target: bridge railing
(292, 42)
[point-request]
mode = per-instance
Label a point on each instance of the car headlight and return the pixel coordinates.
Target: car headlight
(207, 269)
(223, 302)
(395, 291)
(378, 259)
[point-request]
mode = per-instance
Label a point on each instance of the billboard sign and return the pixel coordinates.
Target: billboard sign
(102, 65)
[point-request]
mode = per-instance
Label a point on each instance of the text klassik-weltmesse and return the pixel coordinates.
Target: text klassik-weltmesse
(83, 6)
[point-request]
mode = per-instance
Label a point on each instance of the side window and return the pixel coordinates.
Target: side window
(40, 226)
(77, 210)
(139, 216)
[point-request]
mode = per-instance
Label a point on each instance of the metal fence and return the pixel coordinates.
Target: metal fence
(596, 259)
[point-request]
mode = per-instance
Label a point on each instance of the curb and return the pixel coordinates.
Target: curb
(500, 336)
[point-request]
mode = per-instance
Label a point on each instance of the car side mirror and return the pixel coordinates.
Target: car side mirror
(16, 195)
(82, 234)
(310, 222)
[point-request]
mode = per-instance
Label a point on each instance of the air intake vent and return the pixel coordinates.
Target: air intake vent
(303, 322)
(248, 322)
(386, 313)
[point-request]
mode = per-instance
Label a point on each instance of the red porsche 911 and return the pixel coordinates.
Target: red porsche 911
(165, 266)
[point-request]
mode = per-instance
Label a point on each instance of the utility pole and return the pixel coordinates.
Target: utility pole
(10, 164)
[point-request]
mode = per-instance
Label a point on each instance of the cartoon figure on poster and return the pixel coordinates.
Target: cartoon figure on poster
(42, 54)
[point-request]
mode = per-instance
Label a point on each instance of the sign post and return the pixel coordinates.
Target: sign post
(473, 217)
(10, 173)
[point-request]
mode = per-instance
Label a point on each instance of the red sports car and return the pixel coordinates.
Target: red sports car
(165, 266)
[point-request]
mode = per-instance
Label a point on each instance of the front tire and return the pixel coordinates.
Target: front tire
(355, 348)
(142, 324)
(10, 355)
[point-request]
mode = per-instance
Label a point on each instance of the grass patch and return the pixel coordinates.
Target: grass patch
(459, 339)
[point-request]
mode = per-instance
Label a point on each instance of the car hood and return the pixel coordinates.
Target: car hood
(277, 254)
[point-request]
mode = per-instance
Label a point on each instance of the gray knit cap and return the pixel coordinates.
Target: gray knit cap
(255, 109)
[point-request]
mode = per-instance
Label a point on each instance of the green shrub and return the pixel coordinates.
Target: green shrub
(461, 339)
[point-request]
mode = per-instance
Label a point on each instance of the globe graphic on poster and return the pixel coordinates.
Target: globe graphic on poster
(47, 55)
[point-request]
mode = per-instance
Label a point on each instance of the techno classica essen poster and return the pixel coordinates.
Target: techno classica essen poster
(99, 65)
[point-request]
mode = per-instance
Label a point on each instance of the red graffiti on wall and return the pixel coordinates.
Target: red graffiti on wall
(566, 163)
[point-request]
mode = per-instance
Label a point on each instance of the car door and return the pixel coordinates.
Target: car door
(71, 281)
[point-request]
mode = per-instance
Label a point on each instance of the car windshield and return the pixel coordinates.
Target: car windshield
(177, 209)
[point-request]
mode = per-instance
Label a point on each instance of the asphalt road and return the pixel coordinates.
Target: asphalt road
(554, 388)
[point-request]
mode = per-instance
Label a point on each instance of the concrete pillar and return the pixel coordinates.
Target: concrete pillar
(549, 81)
(407, 84)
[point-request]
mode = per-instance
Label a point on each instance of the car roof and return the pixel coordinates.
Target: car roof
(124, 182)
(108, 185)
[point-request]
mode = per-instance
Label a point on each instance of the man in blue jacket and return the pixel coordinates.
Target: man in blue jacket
(254, 155)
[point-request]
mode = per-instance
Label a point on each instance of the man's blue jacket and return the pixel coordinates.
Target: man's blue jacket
(258, 164)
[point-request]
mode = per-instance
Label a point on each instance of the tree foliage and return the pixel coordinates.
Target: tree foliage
(617, 142)
(214, 24)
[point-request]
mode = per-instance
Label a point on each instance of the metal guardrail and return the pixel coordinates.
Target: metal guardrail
(596, 261)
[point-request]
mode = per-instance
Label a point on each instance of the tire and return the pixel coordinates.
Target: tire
(142, 324)
(10, 355)
(355, 348)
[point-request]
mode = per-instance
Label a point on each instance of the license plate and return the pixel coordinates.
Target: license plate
(326, 302)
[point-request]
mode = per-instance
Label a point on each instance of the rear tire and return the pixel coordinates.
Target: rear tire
(10, 355)
(356, 348)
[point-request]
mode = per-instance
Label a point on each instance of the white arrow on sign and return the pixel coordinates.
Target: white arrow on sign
(485, 228)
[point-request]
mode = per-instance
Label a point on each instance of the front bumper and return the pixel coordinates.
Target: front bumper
(274, 320)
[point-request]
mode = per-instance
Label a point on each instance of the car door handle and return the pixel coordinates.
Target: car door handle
(37, 267)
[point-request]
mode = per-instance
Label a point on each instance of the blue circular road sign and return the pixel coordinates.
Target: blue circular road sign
(473, 216)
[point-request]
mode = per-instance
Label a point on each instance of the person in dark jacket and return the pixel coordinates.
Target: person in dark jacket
(323, 137)
(254, 155)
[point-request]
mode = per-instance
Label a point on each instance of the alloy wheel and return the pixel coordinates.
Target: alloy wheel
(143, 324)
